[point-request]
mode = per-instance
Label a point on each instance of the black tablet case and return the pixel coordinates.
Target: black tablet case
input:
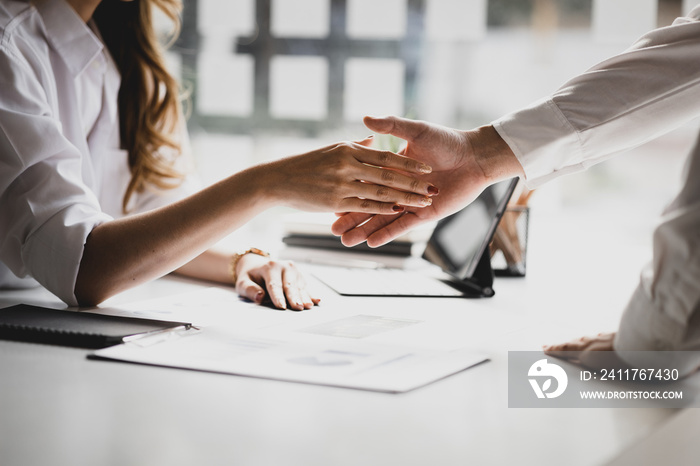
(28, 323)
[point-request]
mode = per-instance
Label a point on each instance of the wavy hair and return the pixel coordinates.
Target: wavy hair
(149, 100)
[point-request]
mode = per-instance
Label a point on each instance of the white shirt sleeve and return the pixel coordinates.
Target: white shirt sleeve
(651, 88)
(629, 99)
(46, 211)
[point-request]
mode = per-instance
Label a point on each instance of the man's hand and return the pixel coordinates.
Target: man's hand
(592, 352)
(464, 163)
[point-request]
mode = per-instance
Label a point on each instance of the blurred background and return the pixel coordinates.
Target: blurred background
(269, 78)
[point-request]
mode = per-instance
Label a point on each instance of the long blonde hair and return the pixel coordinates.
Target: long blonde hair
(149, 102)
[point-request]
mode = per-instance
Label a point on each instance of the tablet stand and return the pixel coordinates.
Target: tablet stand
(481, 283)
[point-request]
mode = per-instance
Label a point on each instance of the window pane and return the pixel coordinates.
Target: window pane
(300, 18)
(623, 21)
(372, 19)
(299, 87)
(228, 17)
(455, 19)
(373, 87)
(225, 84)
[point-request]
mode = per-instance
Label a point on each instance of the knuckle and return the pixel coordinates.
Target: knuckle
(388, 176)
(343, 166)
(365, 204)
(383, 158)
(274, 264)
(339, 199)
(408, 198)
(335, 163)
(342, 147)
(382, 192)
(335, 192)
(338, 204)
(415, 184)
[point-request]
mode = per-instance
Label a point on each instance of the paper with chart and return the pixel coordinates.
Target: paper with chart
(321, 348)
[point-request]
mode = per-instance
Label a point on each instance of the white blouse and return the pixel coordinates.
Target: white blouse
(651, 88)
(62, 171)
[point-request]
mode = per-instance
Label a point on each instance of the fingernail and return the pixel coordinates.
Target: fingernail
(259, 297)
(432, 190)
(426, 201)
(370, 136)
(397, 208)
(423, 168)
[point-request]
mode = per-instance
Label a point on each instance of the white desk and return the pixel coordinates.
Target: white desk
(58, 408)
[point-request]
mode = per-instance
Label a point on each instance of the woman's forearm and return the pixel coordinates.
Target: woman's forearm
(126, 252)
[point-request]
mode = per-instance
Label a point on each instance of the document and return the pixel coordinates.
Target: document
(325, 348)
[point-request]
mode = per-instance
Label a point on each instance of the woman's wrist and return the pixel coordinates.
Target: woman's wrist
(257, 184)
(269, 184)
(234, 265)
(493, 155)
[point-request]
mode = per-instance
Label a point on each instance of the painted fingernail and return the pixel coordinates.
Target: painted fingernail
(423, 168)
(432, 190)
(259, 297)
(426, 201)
(397, 208)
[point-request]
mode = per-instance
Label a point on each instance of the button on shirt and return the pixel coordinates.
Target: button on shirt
(648, 90)
(62, 171)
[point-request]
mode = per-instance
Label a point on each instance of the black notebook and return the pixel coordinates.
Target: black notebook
(68, 328)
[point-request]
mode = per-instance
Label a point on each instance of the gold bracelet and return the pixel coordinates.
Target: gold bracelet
(237, 257)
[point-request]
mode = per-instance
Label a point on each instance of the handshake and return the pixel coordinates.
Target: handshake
(458, 165)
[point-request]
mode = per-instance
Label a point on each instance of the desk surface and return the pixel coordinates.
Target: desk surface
(58, 408)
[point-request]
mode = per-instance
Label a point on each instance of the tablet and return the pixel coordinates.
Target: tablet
(459, 241)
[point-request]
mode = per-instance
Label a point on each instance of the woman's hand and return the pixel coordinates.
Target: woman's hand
(281, 282)
(349, 177)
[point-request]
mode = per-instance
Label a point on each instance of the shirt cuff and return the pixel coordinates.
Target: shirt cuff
(53, 253)
(543, 140)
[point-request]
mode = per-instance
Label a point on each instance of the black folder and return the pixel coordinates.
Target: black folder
(24, 322)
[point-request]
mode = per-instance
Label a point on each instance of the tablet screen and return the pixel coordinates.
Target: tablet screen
(459, 240)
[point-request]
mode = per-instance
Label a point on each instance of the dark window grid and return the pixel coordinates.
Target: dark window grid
(337, 48)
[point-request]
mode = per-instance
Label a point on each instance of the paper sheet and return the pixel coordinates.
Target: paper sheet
(326, 348)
